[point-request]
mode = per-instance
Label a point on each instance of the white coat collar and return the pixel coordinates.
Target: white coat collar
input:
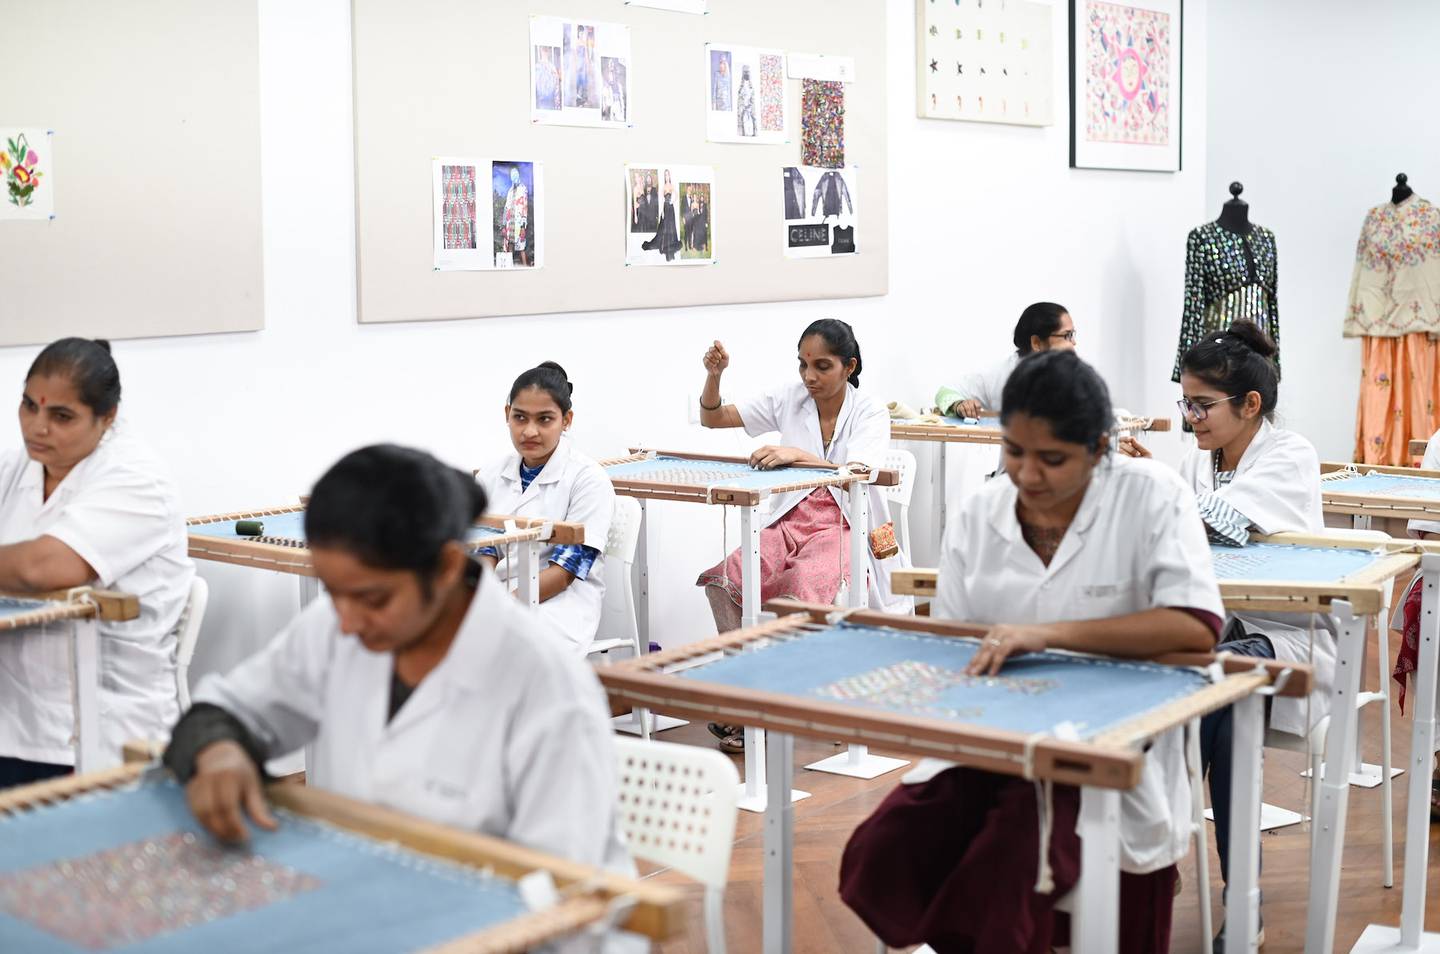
(33, 476)
(810, 419)
(1256, 450)
(551, 473)
(472, 659)
(1003, 520)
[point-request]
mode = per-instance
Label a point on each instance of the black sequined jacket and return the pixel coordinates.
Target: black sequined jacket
(1228, 276)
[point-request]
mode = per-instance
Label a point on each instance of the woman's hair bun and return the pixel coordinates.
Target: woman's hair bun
(555, 366)
(1253, 337)
(103, 343)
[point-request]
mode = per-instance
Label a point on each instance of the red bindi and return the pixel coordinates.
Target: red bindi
(42, 402)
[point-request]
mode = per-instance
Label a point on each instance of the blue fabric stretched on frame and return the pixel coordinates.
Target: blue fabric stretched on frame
(375, 898)
(1276, 561)
(715, 473)
(10, 606)
(1090, 693)
(1385, 485)
(291, 526)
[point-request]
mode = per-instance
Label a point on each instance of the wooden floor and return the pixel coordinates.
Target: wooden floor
(824, 821)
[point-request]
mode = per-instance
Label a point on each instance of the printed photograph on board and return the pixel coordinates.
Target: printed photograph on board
(512, 238)
(580, 73)
(26, 161)
(820, 209)
(681, 210)
(746, 95)
(644, 187)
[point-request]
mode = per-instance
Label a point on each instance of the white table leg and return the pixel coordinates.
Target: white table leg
(1329, 835)
(1411, 935)
(1095, 921)
(940, 455)
(1242, 902)
(753, 795)
(779, 848)
(528, 573)
(856, 761)
(634, 722)
(85, 693)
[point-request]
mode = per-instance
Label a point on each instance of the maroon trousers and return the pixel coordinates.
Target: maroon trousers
(952, 863)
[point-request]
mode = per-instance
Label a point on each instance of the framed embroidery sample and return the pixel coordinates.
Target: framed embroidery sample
(987, 61)
(1125, 85)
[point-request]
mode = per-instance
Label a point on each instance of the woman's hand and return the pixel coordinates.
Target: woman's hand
(225, 788)
(772, 456)
(966, 408)
(1130, 447)
(1004, 641)
(717, 359)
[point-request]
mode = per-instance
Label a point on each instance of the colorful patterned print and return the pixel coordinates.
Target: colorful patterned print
(145, 889)
(458, 205)
(1399, 388)
(1127, 76)
(822, 124)
(772, 93)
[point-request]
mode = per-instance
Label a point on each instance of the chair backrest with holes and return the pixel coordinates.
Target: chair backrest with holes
(677, 806)
(902, 462)
(189, 634)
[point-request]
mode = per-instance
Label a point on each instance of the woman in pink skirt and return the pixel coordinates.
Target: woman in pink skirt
(822, 420)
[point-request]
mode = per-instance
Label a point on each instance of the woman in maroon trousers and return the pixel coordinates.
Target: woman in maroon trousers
(1077, 550)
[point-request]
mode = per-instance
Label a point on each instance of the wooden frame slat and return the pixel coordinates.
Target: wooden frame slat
(909, 430)
(82, 602)
(296, 560)
(658, 910)
(1368, 505)
(643, 682)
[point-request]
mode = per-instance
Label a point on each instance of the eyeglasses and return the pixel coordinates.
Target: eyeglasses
(1067, 335)
(1199, 411)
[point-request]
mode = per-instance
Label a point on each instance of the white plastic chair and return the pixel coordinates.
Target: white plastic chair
(618, 627)
(189, 632)
(898, 459)
(677, 808)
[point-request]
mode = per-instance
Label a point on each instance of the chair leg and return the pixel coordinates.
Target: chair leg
(1387, 805)
(715, 919)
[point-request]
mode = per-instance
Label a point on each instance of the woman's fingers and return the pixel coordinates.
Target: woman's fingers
(257, 808)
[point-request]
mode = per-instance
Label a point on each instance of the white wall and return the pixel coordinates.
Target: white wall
(1315, 108)
(986, 219)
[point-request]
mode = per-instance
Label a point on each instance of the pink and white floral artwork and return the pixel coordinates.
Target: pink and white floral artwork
(1127, 74)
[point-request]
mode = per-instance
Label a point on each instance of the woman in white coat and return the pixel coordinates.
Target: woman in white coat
(1250, 476)
(823, 419)
(547, 478)
(86, 503)
(1042, 327)
(417, 681)
(1077, 550)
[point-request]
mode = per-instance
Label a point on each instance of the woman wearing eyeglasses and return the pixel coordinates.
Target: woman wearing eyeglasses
(1044, 326)
(1250, 476)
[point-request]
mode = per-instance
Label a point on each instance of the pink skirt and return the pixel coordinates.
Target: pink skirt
(805, 554)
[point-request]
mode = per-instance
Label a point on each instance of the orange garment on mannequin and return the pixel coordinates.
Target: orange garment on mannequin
(1398, 397)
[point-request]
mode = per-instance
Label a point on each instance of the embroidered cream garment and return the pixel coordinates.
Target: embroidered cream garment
(1395, 290)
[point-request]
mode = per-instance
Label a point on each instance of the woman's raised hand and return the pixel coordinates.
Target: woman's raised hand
(717, 359)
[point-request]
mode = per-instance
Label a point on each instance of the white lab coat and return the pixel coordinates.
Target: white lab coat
(1136, 543)
(987, 385)
(509, 735)
(862, 435)
(1277, 487)
(119, 510)
(574, 488)
(1431, 462)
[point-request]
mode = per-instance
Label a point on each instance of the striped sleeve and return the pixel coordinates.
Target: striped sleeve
(575, 559)
(1223, 523)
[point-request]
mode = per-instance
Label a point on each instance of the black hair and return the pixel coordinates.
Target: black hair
(549, 377)
(1060, 388)
(1040, 320)
(393, 507)
(1238, 360)
(839, 337)
(88, 365)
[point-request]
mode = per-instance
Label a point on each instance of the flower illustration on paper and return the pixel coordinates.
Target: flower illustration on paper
(17, 165)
